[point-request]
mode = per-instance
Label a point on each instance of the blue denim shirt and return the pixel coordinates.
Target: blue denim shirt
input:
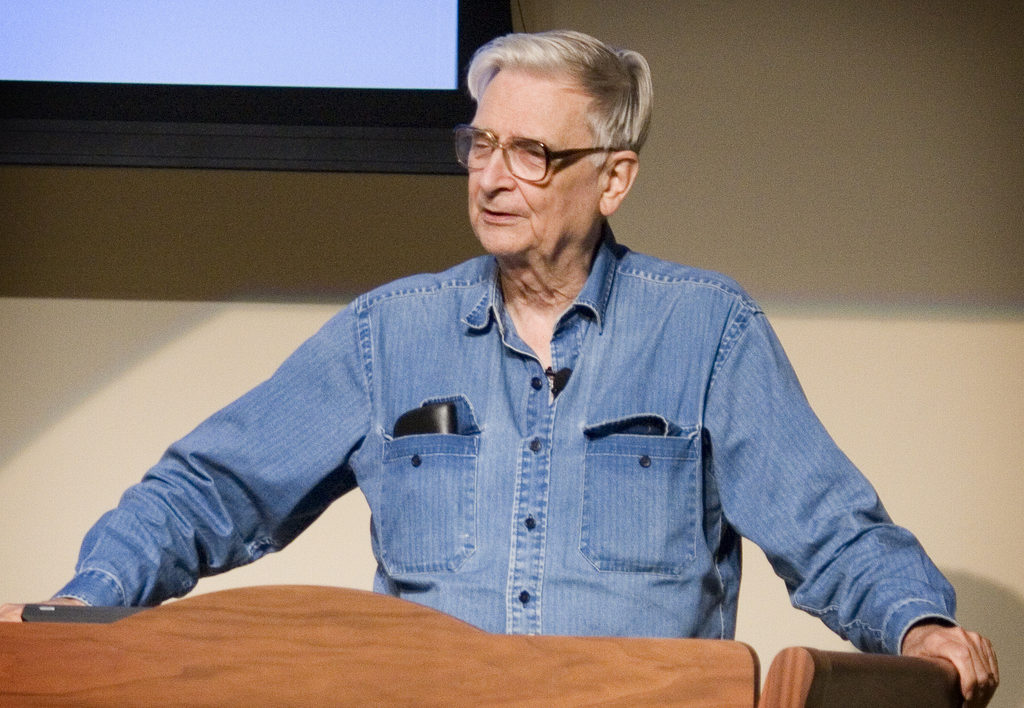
(613, 508)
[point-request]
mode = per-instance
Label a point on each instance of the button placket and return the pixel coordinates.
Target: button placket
(532, 486)
(526, 573)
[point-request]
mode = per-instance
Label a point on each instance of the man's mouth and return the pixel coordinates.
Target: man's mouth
(496, 215)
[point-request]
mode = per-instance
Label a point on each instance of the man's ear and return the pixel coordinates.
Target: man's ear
(619, 174)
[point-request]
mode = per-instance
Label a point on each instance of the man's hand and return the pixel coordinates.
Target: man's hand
(969, 652)
(12, 612)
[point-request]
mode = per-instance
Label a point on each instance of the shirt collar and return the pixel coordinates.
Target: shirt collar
(593, 297)
(479, 315)
(598, 289)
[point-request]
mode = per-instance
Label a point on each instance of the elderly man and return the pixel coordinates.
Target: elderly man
(562, 437)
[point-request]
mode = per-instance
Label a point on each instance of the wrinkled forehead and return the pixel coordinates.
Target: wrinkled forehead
(550, 108)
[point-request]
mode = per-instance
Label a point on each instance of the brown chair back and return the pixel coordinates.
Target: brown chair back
(811, 678)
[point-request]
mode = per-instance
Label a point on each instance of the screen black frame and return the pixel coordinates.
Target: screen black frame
(246, 127)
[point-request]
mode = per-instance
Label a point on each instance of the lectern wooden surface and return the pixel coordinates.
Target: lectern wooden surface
(812, 678)
(301, 645)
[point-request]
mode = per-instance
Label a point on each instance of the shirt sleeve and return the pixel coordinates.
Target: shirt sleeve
(244, 483)
(786, 486)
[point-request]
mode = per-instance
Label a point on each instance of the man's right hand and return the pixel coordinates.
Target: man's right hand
(12, 612)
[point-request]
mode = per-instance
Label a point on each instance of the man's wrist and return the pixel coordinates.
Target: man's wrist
(915, 633)
(66, 600)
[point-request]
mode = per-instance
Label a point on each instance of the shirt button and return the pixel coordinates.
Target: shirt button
(645, 461)
(535, 445)
(524, 597)
(536, 383)
(415, 460)
(530, 522)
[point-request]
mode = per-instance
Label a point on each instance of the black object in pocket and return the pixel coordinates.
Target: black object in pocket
(429, 418)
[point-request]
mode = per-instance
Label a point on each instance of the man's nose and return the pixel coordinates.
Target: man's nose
(496, 173)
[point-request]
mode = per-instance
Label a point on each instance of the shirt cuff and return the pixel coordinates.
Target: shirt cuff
(95, 587)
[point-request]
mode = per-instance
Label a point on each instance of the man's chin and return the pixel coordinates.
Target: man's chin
(501, 241)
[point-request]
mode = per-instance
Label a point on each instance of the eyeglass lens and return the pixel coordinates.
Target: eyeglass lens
(525, 158)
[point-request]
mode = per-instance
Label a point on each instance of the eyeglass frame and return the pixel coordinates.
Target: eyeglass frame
(550, 155)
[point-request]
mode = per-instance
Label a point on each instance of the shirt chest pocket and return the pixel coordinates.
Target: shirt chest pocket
(640, 497)
(428, 508)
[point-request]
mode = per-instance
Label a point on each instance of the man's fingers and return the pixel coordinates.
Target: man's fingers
(986, 667)
(990, 655)
(11, 613)
(971, 654)
(974, 658)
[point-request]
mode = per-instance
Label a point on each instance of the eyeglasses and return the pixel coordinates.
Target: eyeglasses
(529, 160)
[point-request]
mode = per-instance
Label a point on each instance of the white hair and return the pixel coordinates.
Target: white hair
(617, 80)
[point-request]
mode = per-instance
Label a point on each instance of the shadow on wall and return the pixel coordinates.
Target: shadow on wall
(66, 350)
(997, 612)
(64, 353)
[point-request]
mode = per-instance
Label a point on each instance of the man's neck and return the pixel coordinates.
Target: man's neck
(536, 294)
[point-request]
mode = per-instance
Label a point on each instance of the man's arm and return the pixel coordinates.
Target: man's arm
(822, 525)
(244, 483)
(969, 652)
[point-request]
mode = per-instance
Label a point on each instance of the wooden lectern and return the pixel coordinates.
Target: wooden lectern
(300, 645)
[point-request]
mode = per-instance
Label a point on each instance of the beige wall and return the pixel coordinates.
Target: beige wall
(858, 168)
